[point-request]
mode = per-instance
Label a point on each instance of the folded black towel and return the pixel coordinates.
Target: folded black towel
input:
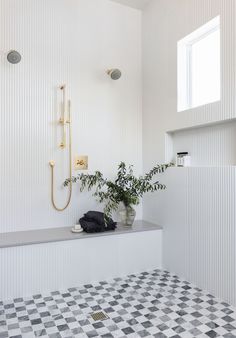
(93, 221)
(98, 217)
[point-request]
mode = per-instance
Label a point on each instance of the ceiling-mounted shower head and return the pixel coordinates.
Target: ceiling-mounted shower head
(13, 57)
(114, 74)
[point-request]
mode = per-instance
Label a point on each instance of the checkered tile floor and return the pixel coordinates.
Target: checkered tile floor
(155, 304)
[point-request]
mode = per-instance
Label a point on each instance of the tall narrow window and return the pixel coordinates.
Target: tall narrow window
(199, 71)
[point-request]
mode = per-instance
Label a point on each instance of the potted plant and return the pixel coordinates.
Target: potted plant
(126, 189)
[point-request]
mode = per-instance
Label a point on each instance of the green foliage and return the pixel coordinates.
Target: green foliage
(125, 188)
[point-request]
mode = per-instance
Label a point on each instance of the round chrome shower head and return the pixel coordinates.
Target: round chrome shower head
(13, 57)
(115, 74)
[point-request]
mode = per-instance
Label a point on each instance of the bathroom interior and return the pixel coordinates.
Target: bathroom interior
(118, 168)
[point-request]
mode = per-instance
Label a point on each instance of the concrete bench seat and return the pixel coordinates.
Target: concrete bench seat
(30, 237)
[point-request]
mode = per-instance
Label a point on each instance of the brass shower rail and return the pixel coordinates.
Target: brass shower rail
(63, 121)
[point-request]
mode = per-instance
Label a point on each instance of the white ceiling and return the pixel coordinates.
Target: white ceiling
(140, 4)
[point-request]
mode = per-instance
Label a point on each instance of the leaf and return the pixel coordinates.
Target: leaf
(126, 187)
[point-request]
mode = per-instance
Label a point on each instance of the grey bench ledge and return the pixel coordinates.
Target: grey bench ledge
(30, 237)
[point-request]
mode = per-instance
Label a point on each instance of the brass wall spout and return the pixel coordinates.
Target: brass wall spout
(64, 121)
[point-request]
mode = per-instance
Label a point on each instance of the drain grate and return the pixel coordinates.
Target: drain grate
(99, 316)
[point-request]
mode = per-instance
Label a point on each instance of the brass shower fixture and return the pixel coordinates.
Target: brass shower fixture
(64, 121)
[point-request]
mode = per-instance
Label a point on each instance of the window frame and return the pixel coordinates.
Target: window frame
(184, 63)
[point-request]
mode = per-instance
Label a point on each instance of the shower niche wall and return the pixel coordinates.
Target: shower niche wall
(208, 145)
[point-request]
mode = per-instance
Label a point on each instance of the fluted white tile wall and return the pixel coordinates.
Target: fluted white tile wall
(208, 146)
(42, 268)
(72, 42)
(199, 232)
(198, 208)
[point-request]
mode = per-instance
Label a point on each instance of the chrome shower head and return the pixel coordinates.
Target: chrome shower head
(115, 74)
(13, 57)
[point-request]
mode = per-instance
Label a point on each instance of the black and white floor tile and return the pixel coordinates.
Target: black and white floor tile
(151, 304)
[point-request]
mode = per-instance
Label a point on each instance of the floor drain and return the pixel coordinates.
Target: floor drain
(99, 316)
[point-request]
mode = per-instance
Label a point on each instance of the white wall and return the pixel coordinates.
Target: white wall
(198, 208)
(72, 42)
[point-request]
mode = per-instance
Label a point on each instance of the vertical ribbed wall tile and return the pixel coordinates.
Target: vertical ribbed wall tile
(72, 42)
(197, 210)
(200, 232)
(212, 145)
